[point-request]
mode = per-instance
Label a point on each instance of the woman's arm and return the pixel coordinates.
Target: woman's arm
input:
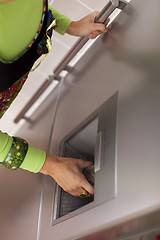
(34, 158)
(84, 27)
(67, 172)
(63, 22)
(87, 26)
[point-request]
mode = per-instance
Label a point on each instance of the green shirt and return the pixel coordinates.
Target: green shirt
(19, 21)
(34, 159)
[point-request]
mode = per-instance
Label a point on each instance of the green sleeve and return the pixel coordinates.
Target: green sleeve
(34, 159)
(5, 145)
(63, 22)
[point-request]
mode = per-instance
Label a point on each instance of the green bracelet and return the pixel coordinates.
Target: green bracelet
(16, 154)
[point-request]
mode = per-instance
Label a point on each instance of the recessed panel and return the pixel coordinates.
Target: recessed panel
(95, 141)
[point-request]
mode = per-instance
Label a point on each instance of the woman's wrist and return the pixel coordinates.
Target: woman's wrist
(73, 28)
(49, 161)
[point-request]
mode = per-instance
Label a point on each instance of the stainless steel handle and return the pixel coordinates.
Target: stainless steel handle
(98, 148)
(32, 100)
(106, 11)
(102, 16)
(35, 97)
(70, 55)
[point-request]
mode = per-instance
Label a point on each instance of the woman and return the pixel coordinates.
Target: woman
(25, 30)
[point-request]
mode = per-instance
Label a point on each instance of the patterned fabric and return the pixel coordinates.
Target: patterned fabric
(41, 24)
(45, 45)
(16, 154)
(7, 97)
(42, 46)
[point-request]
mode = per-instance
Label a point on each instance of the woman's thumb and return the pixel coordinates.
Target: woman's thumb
(93, 15)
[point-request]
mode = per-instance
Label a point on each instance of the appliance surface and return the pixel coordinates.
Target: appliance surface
(94, 141)
(124, 60)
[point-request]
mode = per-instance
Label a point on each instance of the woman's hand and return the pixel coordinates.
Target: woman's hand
(67, 172)
(87, 27)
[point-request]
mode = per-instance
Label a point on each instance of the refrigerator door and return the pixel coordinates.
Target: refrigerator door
(95, 141)
(126, 59)
(19, 204)
(20, 190)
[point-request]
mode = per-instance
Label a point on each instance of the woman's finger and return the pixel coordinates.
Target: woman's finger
(107, 21)
(94, 34)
